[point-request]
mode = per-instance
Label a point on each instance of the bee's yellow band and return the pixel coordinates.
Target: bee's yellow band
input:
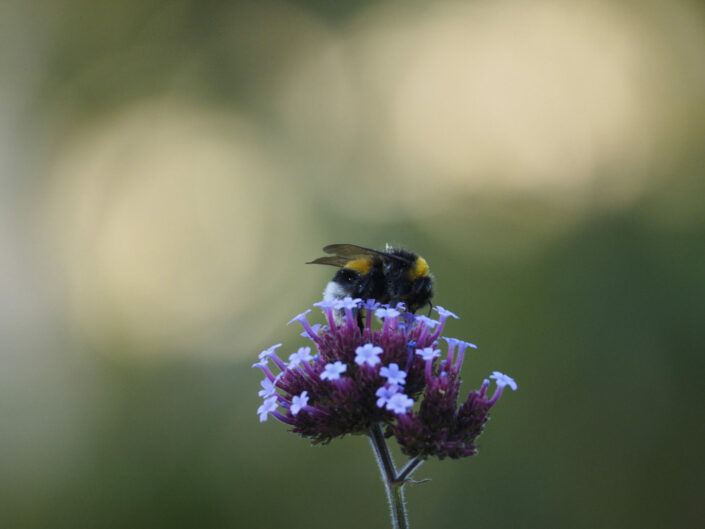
(360, 265)
(419, 269)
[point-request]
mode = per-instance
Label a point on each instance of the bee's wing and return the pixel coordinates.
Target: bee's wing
(352, 251)
(343, 254)
(334, 260)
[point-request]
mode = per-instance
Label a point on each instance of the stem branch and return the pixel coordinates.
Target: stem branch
(406, 472)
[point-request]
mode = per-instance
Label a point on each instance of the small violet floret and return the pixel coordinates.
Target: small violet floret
(304, 354)
(269, 405)
(383, 313)
(428, 353)
(443, 313)
(333, 371)
(385, 393)
(294, 360)
(298, 402)
(426, 321)
(399, 403)
(268, 388)
(327, 304)
(370, 305)
(299, 317)
(348, 303)
(268, 352)
(368, 354)
(393, 374)
(504, 380)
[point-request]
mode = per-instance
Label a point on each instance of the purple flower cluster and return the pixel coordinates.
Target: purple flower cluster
(361, 377)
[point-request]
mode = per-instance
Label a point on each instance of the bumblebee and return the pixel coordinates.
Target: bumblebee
(391, 276)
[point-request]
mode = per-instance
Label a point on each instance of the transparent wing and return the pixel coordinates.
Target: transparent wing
(334, 260)
(352, 251)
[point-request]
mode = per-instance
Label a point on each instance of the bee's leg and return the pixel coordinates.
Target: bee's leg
(430, 308)
(360, 320)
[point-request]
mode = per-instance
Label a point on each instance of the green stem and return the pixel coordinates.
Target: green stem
(410, 467)
(392, 484)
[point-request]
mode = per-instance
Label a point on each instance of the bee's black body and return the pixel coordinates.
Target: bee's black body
(365, 286)
(392, 276)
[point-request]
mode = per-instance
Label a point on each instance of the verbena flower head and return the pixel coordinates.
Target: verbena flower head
(397, 375)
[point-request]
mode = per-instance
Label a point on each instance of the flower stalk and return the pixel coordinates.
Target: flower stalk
(393, 482)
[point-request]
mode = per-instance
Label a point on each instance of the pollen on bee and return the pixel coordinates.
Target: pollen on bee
(420, 269)
(362, 265)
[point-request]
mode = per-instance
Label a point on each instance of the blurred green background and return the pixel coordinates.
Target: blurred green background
(166, 168)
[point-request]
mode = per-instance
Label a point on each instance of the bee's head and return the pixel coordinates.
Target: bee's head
(408, 279)
(420, 293)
